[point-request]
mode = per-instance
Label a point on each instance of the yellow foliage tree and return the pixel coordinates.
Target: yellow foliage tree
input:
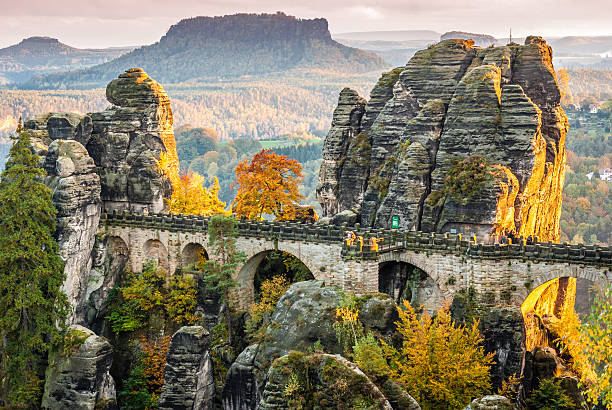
(441, 364)
(182, 301)
(590, 345)
(563, 80)
(189, 196)
(268, 184)
(270, 292)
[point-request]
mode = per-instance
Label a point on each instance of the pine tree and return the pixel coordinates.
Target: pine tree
(33, 309)
(218, 274)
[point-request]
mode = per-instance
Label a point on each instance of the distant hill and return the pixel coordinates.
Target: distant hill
(398, 35)
(42, 55)
(583, 45)
(481, 40)
(395, 47)
(213, 48)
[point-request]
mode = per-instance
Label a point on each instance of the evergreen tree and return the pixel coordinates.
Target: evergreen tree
(32, 307)
(218, 274)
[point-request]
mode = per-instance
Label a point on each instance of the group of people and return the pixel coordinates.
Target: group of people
(372, 242)
(509, 239)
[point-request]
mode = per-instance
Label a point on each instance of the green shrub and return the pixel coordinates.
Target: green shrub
(549, 396)
(132, 304)
(369, 356)
(135, 394)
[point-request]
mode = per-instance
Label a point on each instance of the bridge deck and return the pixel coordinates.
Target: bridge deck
(392, 240)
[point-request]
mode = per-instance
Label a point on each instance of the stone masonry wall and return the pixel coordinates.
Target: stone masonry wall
(453, 264)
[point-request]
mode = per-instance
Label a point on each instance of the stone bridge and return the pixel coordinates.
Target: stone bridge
(503, 274)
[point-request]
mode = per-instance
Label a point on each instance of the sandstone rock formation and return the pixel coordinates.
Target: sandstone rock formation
(76, 195)
(334, 382)
(188, 376)
(452, 102)
(504, 335)
(125, 141)
(105, 160)
(491, 403)
(303, 316)
(79, 378)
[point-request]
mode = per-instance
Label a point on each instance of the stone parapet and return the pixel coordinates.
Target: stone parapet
(392, 240)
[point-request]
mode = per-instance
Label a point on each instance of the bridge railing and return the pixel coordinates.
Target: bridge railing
(388, 240)
(246, 228)
(397, 241)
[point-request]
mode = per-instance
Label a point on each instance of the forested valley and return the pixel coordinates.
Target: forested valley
(219, 124)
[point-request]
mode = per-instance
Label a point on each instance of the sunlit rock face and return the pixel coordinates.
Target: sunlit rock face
(549, 304)
(450, 102)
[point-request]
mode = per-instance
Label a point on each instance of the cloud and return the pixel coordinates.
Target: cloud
(100, 23)
(367, 12)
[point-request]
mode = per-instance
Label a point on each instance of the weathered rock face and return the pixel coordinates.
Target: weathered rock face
(80, 379)
(98, 161)
(125, 141)
(188, 377)
(504, 336)
(303, 316)
(334, 382)
(453, 101)
(346, 124)
(76, 195)
(109, 256)
(491, 403)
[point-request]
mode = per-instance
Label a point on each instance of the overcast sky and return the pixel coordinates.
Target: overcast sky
(105, 23)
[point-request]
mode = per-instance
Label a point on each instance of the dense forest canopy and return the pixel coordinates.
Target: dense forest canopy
(292, 112)
(255, 108)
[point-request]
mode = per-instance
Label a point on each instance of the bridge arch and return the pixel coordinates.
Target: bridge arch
(544, 273)
(154, 250)
(405, 281)
(419, 260)
(191, 253)
(246, 275)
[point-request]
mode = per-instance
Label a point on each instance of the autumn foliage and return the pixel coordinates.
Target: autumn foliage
(154, 360)
(590, 344)
(267, 184)
(189, 196)
(441, 364)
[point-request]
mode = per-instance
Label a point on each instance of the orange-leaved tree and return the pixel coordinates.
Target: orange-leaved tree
(267, 184)
(189, 196)
(441, 364)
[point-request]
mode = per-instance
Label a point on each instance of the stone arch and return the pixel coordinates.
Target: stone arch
(420, 260)
(118, 251)
(547, 273)
(117, 246)
(405, 281)
(154, 250)
(190, 254)
(555, 300)
(246, 274)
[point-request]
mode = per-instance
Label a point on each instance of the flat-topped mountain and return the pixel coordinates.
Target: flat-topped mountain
(229, 46)
(43, 55)
(480, 40)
